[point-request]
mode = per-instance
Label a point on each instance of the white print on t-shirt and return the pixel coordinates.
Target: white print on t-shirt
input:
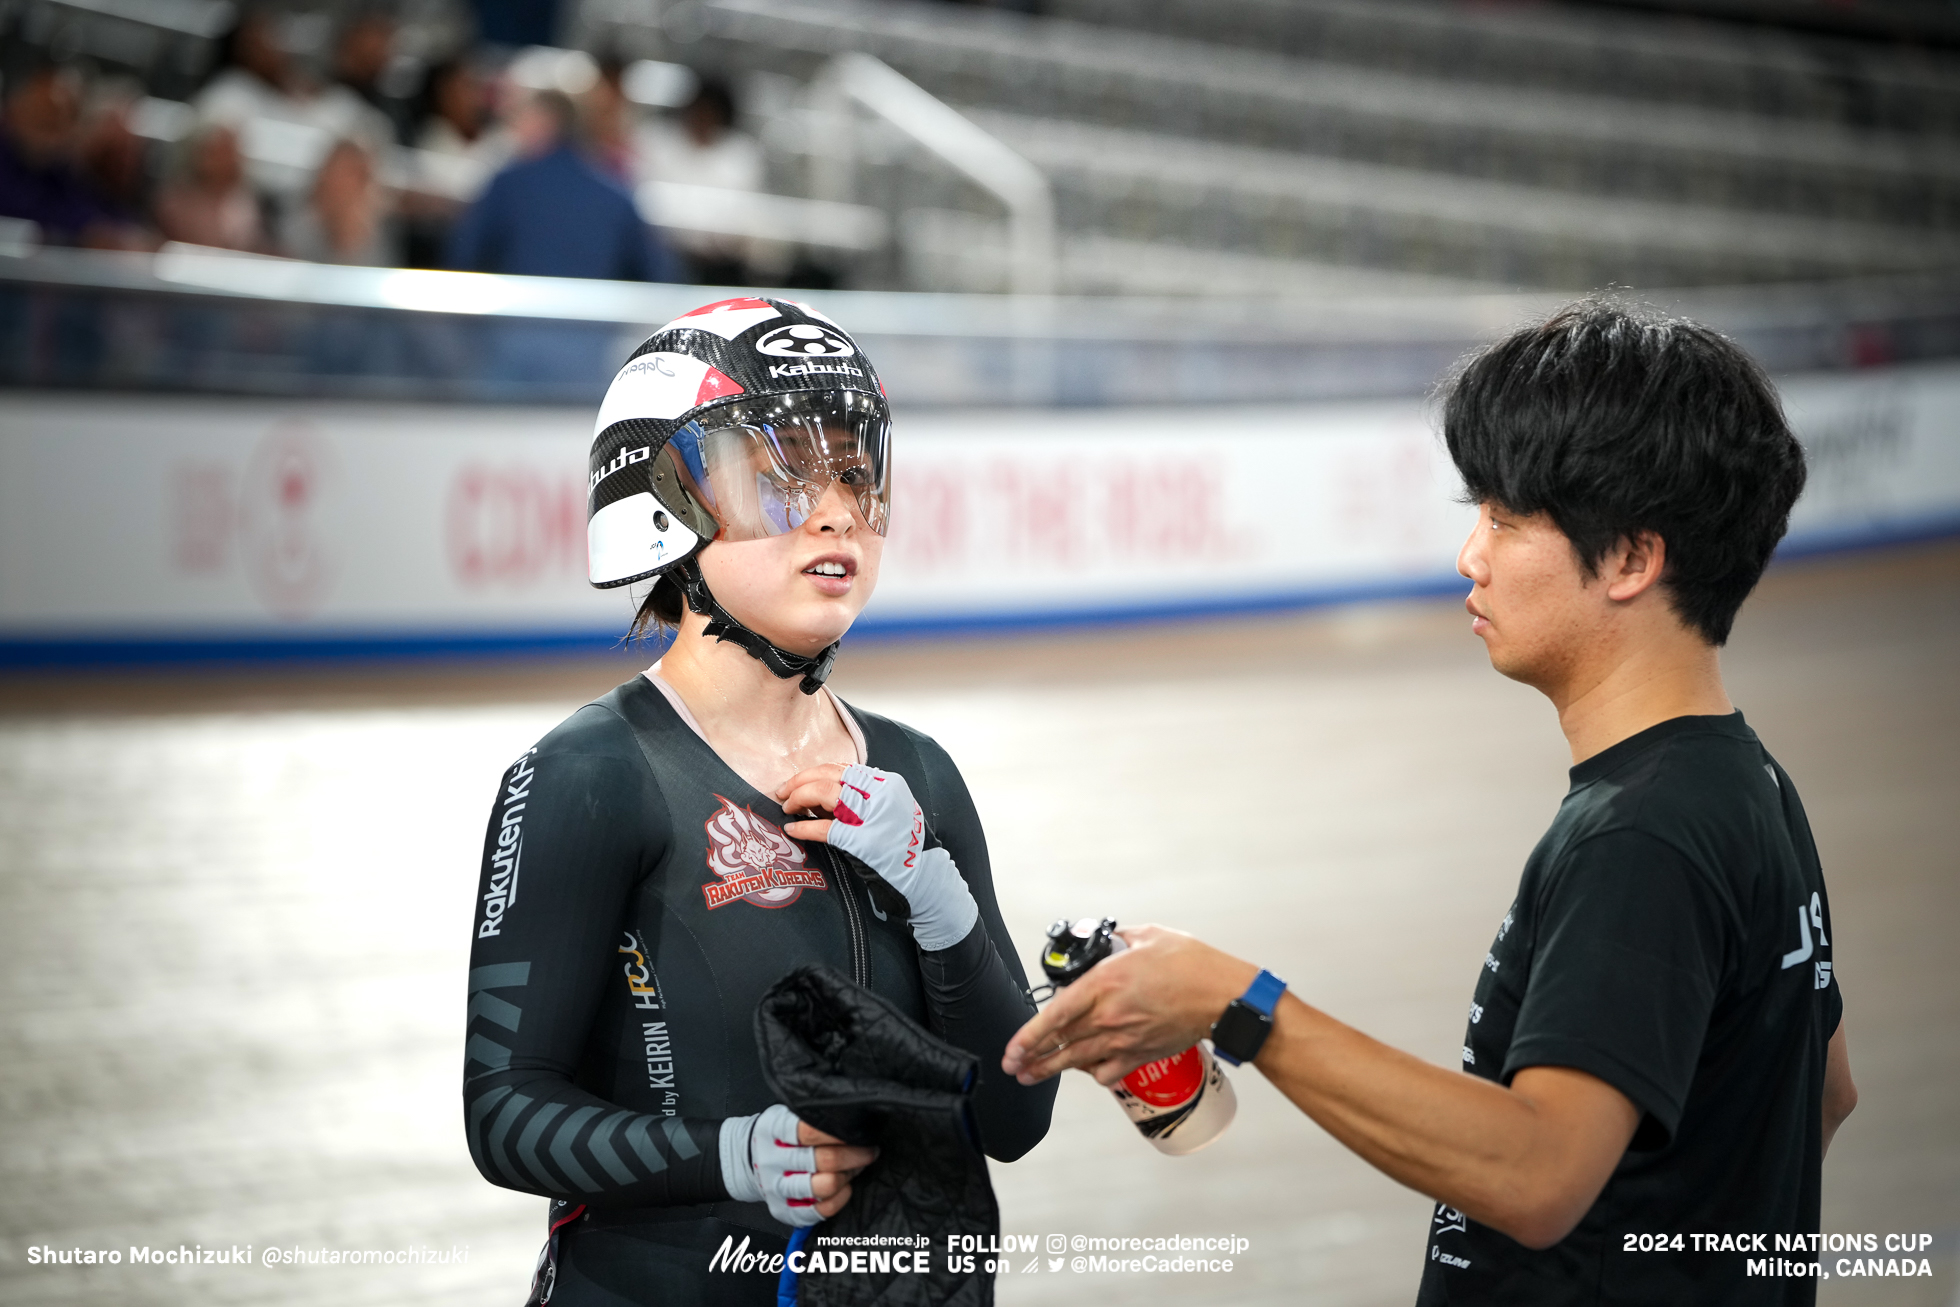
(1806, 918)
(1476, 1013)
(1448, 1221)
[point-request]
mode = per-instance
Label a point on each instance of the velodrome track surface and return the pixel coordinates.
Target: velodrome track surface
(237, 906)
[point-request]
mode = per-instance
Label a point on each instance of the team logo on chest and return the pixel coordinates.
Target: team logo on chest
(756, 862)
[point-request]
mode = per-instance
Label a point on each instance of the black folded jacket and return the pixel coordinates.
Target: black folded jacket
(850, 1063)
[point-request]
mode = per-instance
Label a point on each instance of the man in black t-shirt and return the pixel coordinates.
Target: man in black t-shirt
(1651, 947)
(1655, 1052)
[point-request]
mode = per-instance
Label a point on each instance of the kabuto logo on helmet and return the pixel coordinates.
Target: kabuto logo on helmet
(803, 340)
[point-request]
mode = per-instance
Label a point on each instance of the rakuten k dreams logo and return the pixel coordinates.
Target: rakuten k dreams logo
(509, 850)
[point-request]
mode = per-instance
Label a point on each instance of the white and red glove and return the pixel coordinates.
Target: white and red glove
(878, 822)
(762, 1161)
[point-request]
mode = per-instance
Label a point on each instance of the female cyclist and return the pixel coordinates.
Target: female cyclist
(662, 857)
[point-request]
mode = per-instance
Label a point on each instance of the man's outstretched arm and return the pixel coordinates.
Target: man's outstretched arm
(1528, 1160)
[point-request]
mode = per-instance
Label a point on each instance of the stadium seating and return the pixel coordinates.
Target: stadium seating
(1387, 143)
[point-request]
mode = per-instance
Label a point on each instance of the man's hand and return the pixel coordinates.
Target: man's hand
(1157, 997)
(1528, 1159)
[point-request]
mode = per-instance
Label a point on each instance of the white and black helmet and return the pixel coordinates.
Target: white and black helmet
(729, 423)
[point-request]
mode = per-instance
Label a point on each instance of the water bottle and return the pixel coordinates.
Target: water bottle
(1179, 1103)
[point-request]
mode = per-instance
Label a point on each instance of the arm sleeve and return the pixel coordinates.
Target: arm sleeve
(976, 991)
(1631, 948)
(568, 840)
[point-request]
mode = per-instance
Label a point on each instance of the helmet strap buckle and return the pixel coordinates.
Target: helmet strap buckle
(722, 626)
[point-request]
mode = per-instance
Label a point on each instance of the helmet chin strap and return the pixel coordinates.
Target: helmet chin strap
(724, 628)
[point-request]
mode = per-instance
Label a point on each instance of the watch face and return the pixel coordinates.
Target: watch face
(1241, 1031)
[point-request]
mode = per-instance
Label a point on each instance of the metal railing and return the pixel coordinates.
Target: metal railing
(719, 211)
(860, 80)
(209, 321)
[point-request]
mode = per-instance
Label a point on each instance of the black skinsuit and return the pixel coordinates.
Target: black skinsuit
(637, 899)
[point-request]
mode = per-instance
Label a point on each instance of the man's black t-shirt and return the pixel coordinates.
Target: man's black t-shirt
(1671, 935)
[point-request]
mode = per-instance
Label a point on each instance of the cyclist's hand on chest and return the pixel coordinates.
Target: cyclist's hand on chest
(875, 819)
(813, 790)
(883, 826)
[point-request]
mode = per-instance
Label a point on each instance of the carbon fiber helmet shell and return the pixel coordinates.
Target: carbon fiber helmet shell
(640, 517)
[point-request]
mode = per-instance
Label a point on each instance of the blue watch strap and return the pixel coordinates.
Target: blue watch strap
(1263, 993)
(1237, 1036)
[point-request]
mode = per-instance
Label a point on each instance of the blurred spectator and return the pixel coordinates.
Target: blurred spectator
(704, 148)
(204, 199)
(38, 177)
(553, 214)
(263, 93)
(345, 218)
(113, 159)
(458, 124)
(460, 146)
(607, 118)
(363, 60)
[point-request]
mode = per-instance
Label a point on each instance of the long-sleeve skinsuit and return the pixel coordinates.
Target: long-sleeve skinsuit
(637, 897)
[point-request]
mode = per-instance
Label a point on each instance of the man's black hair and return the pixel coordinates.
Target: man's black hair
(1612, 421)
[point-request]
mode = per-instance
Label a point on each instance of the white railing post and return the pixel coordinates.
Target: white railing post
(944, 132)
(832, 139)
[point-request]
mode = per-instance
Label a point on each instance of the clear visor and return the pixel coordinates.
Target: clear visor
(761, 466)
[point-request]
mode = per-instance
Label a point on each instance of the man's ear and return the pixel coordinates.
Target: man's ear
(1634, 565)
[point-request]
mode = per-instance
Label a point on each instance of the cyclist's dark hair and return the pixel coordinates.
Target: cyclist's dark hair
(660, 611)
(1614, 420)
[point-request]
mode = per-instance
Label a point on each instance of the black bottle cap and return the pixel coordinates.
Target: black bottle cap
(1075, 946)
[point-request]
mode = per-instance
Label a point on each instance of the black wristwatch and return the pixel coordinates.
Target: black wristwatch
(1241, 1032)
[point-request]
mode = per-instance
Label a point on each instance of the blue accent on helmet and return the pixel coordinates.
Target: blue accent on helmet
(686, 444)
